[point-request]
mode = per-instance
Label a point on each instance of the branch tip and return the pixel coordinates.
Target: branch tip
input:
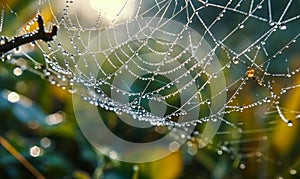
(24, 39)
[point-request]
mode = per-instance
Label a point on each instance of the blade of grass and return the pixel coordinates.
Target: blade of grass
(20, 158)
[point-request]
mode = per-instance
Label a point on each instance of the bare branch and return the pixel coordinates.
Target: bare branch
(30, 37)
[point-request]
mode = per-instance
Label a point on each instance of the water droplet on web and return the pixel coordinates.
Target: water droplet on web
(282, 27)
(272, 23)
(207, 101)
(235, 60)
(290, 123)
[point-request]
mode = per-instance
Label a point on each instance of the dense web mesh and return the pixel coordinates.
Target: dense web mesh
(182, 65)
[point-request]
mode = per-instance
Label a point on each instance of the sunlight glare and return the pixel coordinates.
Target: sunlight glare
(113, 9)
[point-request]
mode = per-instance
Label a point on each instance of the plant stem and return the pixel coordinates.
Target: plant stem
(20, 158)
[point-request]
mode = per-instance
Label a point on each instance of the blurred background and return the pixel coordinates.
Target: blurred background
(37, 122)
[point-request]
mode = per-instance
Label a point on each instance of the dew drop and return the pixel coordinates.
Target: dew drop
(282, 27)
(272, 23)
(235, 60)
(290, 123)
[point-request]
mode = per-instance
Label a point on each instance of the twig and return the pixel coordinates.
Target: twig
(20, 158)
(31, 37)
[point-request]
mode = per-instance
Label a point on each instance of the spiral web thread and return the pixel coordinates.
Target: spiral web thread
(256, 45)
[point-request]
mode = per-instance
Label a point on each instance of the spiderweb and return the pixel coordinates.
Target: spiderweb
(182, 65)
